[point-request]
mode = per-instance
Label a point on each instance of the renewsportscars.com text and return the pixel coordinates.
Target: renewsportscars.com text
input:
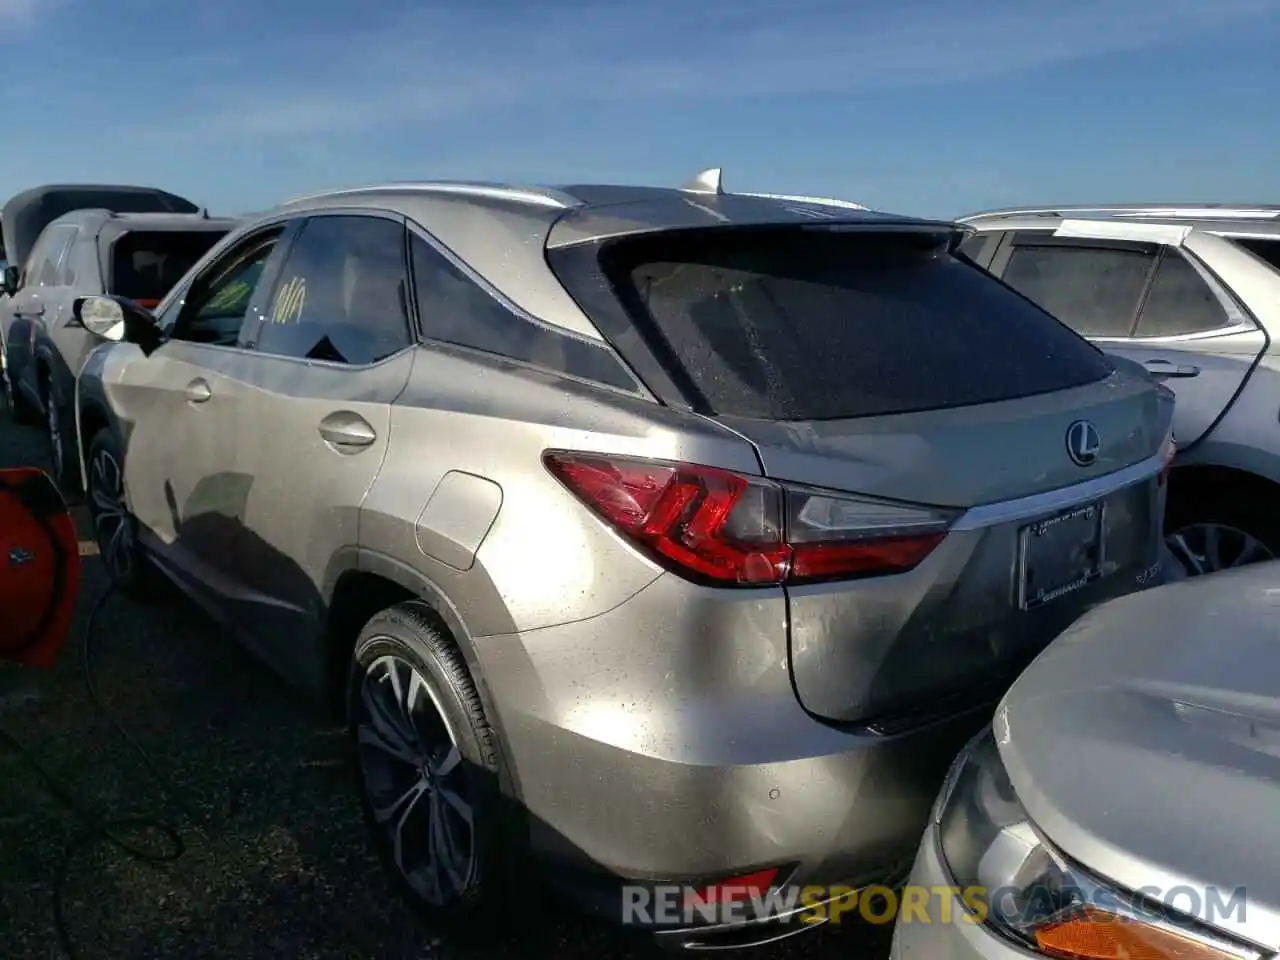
(673, 905)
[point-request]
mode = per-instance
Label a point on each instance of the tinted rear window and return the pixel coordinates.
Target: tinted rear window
(821, 324)
(145, 265)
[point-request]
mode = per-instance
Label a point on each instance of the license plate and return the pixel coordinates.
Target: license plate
(1060, 555)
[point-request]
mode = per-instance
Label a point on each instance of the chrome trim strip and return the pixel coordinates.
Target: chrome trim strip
(1051, 501)
(545, 197)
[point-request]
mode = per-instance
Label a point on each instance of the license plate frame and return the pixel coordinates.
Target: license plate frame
(1061, 554)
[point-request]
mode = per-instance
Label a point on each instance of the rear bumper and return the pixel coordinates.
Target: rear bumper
(674, 758)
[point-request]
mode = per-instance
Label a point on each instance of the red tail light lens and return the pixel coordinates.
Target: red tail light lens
(718, 526)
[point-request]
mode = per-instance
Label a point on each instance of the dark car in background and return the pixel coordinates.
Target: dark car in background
(63, 242)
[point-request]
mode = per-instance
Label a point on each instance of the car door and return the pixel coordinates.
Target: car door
(332, 352)
(36, 306)
(181, 405)
(1135, 292)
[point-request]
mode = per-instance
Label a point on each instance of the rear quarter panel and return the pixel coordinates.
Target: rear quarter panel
(545, 559)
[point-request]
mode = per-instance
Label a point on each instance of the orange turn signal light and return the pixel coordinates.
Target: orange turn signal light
(1092, 934)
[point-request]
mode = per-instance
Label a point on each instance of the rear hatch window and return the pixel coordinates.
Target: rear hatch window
(146, 264)
(821, 323)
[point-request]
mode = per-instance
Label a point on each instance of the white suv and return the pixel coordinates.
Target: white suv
(1191, 292)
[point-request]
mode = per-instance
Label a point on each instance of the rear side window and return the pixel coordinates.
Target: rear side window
(1180, 302)
(147, 264)
(452, 308)
(1093, 290)
(802, 324)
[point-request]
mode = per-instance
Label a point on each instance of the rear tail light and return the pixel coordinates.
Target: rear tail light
(725, 528)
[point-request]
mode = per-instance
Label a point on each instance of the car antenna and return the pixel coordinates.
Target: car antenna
(707, 181)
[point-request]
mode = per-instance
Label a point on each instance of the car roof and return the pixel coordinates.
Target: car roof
(1226, 219)
(149, 221)
(503, 231)
(26, 214)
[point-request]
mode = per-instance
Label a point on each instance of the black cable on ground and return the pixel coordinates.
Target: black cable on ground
(95, 828)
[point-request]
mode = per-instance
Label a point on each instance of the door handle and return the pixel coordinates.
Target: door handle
(347, 431)
(198, 391)
(1167, 369)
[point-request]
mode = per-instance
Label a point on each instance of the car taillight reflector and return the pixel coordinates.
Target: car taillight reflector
(718, 526)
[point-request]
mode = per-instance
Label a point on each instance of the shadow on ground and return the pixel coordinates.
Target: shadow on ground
(277, 864)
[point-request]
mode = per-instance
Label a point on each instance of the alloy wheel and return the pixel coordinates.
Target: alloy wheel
(415, 781)
(112, 528)
(1207, 547)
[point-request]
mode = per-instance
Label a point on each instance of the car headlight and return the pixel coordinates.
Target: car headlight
(1020, 886)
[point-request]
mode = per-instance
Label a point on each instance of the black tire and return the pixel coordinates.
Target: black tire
(1238, 513)
(17, 406)
(60, 434)
(126, 562)
(410, 634)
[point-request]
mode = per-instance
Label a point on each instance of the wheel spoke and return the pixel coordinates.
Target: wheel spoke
(117, 549)
(1252, 551)
(1178, 544)
(1213, 547)
(371, 735)
(460, 807)
(406, 807)
(400, 807)
(104, 503)
(444, 847)
(432, 844)
(386, 722)
(450, 762)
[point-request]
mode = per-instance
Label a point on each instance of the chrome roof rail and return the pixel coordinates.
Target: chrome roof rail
(821, 201)
(537, 196)
(1169, 211)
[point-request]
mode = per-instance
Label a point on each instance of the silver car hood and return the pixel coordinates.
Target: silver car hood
(1145, 743)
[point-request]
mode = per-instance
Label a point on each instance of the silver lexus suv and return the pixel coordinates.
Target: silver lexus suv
(665, 536)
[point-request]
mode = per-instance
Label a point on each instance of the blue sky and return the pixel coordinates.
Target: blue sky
(917, 106)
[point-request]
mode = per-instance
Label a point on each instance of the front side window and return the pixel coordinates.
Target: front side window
(214, 310)
(343, 293)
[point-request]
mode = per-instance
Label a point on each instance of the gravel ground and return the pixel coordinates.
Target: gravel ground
(276, 863)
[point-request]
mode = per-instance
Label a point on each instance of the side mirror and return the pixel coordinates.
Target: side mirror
(118, 320)
(9, 282)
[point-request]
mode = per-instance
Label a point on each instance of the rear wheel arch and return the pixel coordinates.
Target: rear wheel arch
(1197, 480)
(360, 585)
(1228, 495)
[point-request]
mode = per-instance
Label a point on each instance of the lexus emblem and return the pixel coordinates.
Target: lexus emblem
(1083, 443)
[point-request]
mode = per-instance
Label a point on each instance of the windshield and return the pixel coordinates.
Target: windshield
(147, 264)
(818, 324)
